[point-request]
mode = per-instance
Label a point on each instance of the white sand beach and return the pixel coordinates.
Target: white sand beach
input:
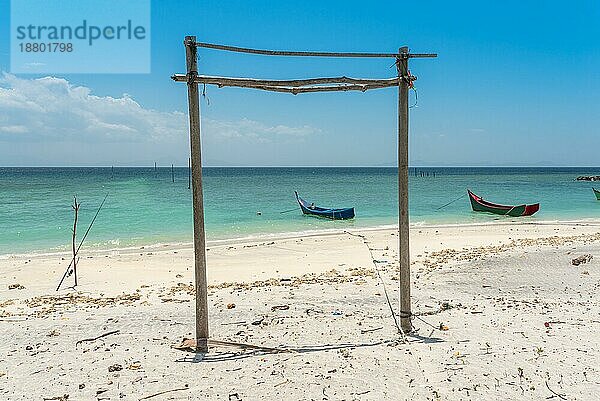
(502, 314)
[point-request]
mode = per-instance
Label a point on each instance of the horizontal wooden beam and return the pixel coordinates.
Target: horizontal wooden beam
(308, 53)
(250, 82)
(296, 86)
(333, 88)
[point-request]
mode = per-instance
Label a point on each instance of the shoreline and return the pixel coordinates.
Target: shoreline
(175, 245)
(281, 257)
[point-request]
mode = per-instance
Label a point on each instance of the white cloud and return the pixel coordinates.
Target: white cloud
(477, 130)
(53, 108)
(14, 129)
(52, 121)
(253, 130)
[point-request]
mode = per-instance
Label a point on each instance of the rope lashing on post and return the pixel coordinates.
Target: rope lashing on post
(411, 85)
(411, 80)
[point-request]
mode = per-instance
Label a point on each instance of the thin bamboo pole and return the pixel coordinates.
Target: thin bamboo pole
(307, 53)
(403, 227)
(198, 203)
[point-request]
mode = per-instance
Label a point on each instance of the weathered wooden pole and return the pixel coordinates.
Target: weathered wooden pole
(198, 205)
(403, 227)
(189, 172)
(172, 174)
(76, 209)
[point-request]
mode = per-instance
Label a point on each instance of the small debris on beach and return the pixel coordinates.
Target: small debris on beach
(16, 287)
(581, 259)
(115, 368)
(64, 397)
(134, 366)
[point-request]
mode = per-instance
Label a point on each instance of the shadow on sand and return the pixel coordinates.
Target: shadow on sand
(243, 351)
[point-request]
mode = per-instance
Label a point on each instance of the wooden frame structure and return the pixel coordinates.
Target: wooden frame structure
(403, 81)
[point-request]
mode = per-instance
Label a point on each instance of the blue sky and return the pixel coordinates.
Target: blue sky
(515, 84)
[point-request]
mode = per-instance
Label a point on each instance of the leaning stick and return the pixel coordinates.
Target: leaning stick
(96, 338)
(561, 396)
(164, 392)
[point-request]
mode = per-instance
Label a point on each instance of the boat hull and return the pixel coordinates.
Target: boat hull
(327, 213)
(597, 193)
(480, 205)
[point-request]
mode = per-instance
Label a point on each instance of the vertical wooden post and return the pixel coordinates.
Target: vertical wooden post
(189, 172)
(198, 205)
(76, 209)
(155, 167)
(403, 227)
(172, 174)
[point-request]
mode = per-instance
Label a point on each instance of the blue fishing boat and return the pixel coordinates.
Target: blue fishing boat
(329, 213)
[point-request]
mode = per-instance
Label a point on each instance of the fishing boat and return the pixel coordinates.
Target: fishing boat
(480, 205)
(326, 212)
(597, 193)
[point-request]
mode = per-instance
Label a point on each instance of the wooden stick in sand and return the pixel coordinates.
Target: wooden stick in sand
(96, 338)
(81, 243)
(76, 209)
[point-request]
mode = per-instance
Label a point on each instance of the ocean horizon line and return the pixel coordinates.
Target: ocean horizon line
(307, 166)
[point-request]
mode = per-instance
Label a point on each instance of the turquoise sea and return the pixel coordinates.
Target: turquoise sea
(144, 206)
